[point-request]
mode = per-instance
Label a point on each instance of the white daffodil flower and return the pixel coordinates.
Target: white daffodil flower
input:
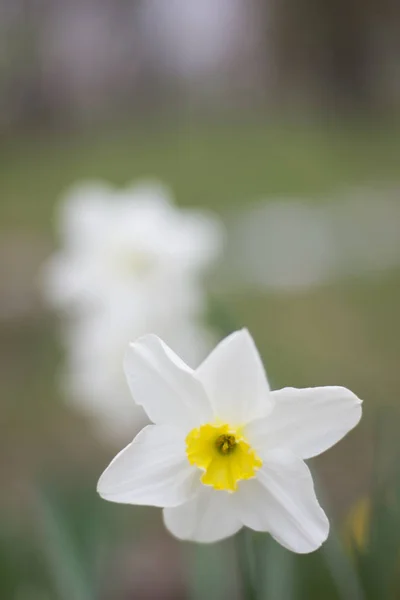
(224, 450)
(126, 242)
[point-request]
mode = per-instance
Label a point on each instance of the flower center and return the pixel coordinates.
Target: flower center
(226, 443)
(128, 262)
(223, 454)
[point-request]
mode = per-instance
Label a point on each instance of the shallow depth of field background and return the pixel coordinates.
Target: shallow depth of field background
(230, 104)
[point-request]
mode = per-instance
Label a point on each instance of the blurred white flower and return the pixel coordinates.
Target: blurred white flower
(224, 451)
(293, 244)
(130, 263)
(367, 230)
(124, 243)
(283, 245)
(93, 377)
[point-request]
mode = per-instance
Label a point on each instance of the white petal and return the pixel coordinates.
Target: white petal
(164, 385)
(282, 501)
(235, 381)
(209, 517)
(84, 214)
(66, 279)
(306, 421)
(152, 470)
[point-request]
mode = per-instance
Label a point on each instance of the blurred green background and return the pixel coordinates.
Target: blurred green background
(58, 540)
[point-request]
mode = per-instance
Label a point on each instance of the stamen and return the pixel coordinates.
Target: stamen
(226, 443)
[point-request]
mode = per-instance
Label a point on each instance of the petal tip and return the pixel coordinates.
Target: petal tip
(136, 346)
(143, 339)
(319, 540)
(245, 332)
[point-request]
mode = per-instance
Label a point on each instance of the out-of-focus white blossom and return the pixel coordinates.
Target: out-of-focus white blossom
(93, 377)
(290, 244)
(127, 243)
(129, 263)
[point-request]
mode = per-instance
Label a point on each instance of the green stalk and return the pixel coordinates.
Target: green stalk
(246, 561)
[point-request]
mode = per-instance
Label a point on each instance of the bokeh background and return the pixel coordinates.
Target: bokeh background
(283, 119)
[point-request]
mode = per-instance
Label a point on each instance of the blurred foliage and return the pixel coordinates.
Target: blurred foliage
(373, 526)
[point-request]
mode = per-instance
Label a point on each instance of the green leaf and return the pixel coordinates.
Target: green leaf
(61, 553)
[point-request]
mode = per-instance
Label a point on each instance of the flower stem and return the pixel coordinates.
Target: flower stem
(245, 556)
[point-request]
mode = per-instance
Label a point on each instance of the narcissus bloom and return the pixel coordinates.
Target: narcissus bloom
(224, 450)
(128, 243)
(129, 261)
